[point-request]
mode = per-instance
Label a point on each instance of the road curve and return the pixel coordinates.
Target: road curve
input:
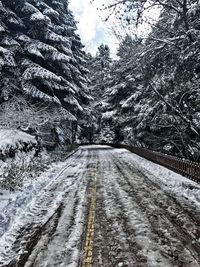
(137, 222)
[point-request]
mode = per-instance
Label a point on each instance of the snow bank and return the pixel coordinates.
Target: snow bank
(17, 157)
(14, 137)
(13, 203)
(14, 141)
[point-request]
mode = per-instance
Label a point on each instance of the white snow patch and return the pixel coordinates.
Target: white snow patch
(109, 114)
(13, 203)
(172, 182)
(12, 137)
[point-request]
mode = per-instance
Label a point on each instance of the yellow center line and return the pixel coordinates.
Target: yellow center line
(88, 248)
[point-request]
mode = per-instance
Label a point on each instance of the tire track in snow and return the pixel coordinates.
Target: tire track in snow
(166, 217)
(137, 222)
(187, 207)
(65, 246)
(148, 225)
(41, 209)
(90, 228)
(126, 224)
(13, 208)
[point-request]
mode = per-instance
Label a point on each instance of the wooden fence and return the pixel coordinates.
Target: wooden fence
(184, 167)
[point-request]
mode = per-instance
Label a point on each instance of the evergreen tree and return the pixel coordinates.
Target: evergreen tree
(99, 67)
(122, 86)
(9, 48)
(152, 96)
(52, 64)
(41, 56)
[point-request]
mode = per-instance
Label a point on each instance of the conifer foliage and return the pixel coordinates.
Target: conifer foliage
(99, 67)
(152, 96)
(41, 56)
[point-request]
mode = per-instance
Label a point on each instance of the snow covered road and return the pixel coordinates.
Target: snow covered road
(146, 215)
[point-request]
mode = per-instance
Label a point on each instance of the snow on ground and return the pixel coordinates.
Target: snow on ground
(12, 156)
(141, 220)
(146, 215)
(169, 180)
(39, 201)
(11, 138)
(13, 203)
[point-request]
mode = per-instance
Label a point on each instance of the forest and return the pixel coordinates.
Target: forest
(100, 151)
(50, 88)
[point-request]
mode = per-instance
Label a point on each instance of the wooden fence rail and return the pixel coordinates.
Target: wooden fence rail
(184, 167)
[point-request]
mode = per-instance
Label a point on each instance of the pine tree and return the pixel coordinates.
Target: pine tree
(151, 96)
(99, 67)
(121, 88)
(9, 49)
(41, 56)
(51, 52)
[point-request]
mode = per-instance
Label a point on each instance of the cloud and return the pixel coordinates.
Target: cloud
(93, 31)
(91, 28)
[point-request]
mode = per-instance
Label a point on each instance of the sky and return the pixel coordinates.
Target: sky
(91, 28)
(94, 31)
